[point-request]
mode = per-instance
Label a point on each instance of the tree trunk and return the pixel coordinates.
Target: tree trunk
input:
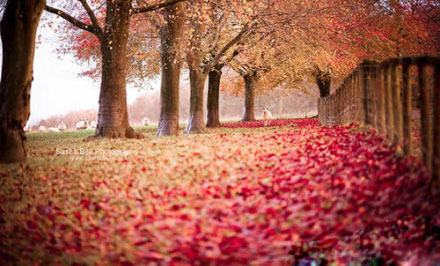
(170, 34)
(196, 121)
(213, 98)
(113, 115)
(323, 79)
(250, 81)
(18, 31)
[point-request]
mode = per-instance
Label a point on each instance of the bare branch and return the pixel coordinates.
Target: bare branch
(91, 14)
(74, 21)
(150, 8)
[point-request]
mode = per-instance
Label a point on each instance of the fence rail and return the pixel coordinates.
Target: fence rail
(400, 98)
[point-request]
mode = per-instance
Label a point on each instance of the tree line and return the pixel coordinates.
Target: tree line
(293, 104)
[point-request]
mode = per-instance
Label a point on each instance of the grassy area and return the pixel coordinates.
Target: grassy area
(237, 195)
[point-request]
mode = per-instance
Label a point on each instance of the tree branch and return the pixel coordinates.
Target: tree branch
(154, 21)
(91, 15)
(150, 8)
(73, 21)
(230, 44)
(228, 60)
(241, 70)
(216, 39)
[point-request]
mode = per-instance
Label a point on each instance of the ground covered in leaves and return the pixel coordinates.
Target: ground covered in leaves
(243, 194)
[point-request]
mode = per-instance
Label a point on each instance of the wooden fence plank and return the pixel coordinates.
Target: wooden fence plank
(397, 103)
(436, 133)
(388, 106)
(426, 120)
(407, 107)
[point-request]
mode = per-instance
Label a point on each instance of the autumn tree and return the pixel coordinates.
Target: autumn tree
(171, 36)
(223, 28)
(143, 49)
(366, 30)
(302, 29)
(112, 35)
(278, 55)
(202, 54)
(214, 80)
(154, 48)
(251, 76)
(308, 37)
(257, 11)
(258, 66)
(213, 105)
(18, 31)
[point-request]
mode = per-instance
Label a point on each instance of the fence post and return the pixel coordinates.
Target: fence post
(372, 87)
(397, 102)
(327, 106)
(358, 99)
(377, 91)
(319, 110)
(381, 99)
(388, 107)
(326, 112)
(360, 95)
(353, 98)
(407, 106)
(427, 147)
(340, 115)
(332, 109)
(350, 99)
(336, 108)
(345, 102)
(371, 92)
(436, 166)
(329, 111)
(364, 76)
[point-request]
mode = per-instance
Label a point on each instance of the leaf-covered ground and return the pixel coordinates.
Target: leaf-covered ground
(242, 194)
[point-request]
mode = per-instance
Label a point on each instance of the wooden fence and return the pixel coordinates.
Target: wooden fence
(400, 98)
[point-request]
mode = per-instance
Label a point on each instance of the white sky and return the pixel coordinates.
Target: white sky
(57, 89)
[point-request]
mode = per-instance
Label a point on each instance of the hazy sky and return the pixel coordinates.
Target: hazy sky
(56, 88)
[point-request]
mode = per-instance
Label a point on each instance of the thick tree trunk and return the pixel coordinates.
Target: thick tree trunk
(18, 31)
(170, 34)
(113, 115)
(213, 98)
(250, 81)
(196, 121)
(323, 79)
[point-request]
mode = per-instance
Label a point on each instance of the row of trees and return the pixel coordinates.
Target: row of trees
(270, 43)
(282, 105)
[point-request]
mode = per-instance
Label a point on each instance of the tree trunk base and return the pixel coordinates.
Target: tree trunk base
(117, 132)
(248, 119)
(168, 128)
(13, 146)
(195, 130)
(213, 124)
